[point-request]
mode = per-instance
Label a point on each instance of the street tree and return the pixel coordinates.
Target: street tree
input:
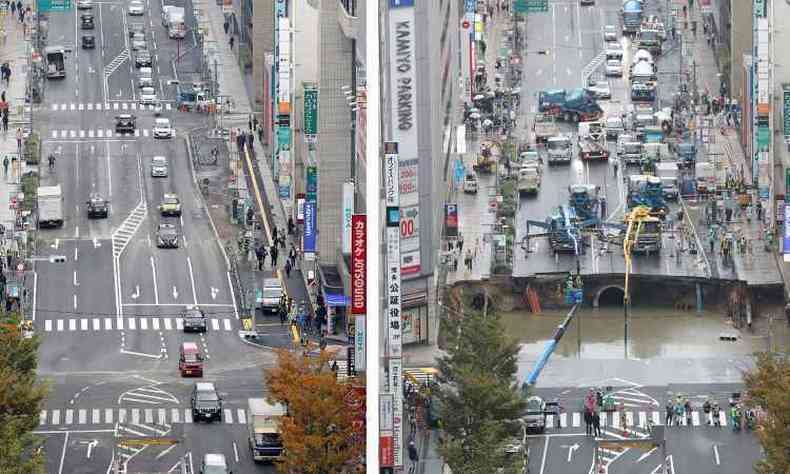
(480, 404)
(318, 432)
(768, 385)
(21, 396)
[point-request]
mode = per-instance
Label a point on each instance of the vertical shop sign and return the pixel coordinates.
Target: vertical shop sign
(308, 246)
(348, 212)
(310, 110)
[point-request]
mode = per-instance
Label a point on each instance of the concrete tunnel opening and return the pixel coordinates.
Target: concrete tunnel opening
(610, 296)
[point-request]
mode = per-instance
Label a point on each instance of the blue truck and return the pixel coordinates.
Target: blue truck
(632, 16)
(571, 105)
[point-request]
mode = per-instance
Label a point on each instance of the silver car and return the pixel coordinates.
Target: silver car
(84, 4)
(159, 167)
(609, 33)
(600, 89)
(614, 68)
(147, 95)
(136, 8)
(138, 42)
(162, 128)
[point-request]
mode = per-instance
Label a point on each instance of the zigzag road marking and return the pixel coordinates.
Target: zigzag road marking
(124, 233)
(116, 63)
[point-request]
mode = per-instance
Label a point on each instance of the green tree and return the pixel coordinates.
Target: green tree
(768, 385)
(21, 396)
(480, 403)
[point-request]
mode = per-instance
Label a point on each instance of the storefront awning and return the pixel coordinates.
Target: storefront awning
(336, 299)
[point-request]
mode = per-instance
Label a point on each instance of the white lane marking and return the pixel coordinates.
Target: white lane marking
(192, 280)
(48, 325)
(156, 288)
(226, 323)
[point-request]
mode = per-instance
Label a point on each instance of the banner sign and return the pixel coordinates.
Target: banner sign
(391, 169)
(308, 245)
(348, 211)
(786, 109)
(451, 220)
(281, 8)
(393, 290)
(359, 342)
(386, 453)
(759, 8)
(396, 384)
(311, 186)
(786, 243)
(359, 268)
(300, 208)
(53, 5)
(310, 110)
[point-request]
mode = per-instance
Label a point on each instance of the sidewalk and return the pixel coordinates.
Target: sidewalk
(13, 51)
(475, 216)
(756, 265)
(231, 83)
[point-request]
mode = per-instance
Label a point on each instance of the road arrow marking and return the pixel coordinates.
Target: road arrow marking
(56, 244)
(96, 243)
(646, 455)
(136, 293)
(175, 293)
(214, 292)
(76, 283)
(91, 444)
(571, 449)
(93, 149)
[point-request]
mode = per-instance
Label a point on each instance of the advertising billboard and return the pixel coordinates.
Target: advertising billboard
(786, 240)
(308, 243)
(310, 110)
(359, 267)
(451, 220)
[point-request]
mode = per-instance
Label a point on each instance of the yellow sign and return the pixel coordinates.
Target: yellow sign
(247, 324)
(147, 442)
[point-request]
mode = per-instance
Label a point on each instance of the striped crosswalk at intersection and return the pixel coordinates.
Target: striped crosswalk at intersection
(130, 324)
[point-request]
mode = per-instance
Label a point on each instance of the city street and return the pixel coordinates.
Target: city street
(111, 315)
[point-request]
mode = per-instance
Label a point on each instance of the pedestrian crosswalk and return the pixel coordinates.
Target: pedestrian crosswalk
(133, 416)
(130, 324)
(100, 133)
(633, 419)
(108, 106)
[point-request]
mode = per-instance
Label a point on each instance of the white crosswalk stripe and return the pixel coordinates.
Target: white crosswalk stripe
(72, 324)
(161, 417)
(83, 324)
(48, 325)
(215, 324)
(656, 418)
(55, 417)
(69, 419)
(95, 416)
(81, 106)
(155, 324)
(108, 324)
(168, 324)
(122, 415)
(60, 325)
(241, 415)
(695, 418)
(132, 323)
(576, 419)
(82, 416)
(228, 416)
(135, 416)
(149, 415)
(175, 415)
(226, 323)
(119, 323)
(179, 324)
(143, 324)
(187, 415)
(642, 419)
(42, 417)
(108, 415)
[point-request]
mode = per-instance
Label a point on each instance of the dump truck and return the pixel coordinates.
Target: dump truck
(590, 149)
(50, 206)
(544, 127)
(571, 105)
(645, 190)
(528, 179)
(263, 423)
(559, 149)
(648, 39)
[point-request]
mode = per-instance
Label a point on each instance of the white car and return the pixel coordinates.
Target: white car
(159, 167)
(138, 42)
(600, 89)
(136, 8)
(609, 33)
(162, 128)
(147, 95)
(84, 4)
(614, 67)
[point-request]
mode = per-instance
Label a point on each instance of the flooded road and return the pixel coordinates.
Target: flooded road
(654, 333)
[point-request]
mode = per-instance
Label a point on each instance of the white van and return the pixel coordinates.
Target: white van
(214, 464)
(614, 126)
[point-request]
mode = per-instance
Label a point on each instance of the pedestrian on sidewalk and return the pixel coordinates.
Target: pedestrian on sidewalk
(226, 26)
(259, 128)
(19, 137)
(273, 253)
(13, 9)
(5, 166)
(588, 422)
(232, 39)
(260, 253)
(597, 424)
(288, 268)
(283, 313)
(460, 243)
(670, 413)
(290, 225)
(249, 123)
(292, 255)
(5, 121)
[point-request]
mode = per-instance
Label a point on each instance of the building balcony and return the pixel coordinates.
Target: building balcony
(348, 23)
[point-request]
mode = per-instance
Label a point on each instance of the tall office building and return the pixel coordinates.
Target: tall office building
(421, 58)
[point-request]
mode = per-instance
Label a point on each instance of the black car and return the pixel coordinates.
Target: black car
(125, 123)
(98, 207)
(194, 319)
(206, 402)
(88, 42)
(87, 22)
(167, 236)
(142, 58)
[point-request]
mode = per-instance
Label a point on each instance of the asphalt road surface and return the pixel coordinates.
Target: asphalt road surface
(109, 316)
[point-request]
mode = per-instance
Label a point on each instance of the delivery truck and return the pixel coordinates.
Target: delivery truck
(173, 20)
(263, 423)
(50, 206)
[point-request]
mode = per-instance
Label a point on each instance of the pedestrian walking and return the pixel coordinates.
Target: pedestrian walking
(273, 253)
(5, 121)
(670, 412)
(260, 253)
(292, 255)
(5, 166)
(226, 26)
(283, 313)
(460, 243)
(588, 422)
(288, 269)
(249, 123)
(232, 40)
(19, 136)
(13, 8)
(597, 424)
(687, 409)
(290, 225)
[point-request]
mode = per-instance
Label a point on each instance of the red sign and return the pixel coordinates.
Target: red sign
(355, 401)
(359, 265)
(386, 451)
